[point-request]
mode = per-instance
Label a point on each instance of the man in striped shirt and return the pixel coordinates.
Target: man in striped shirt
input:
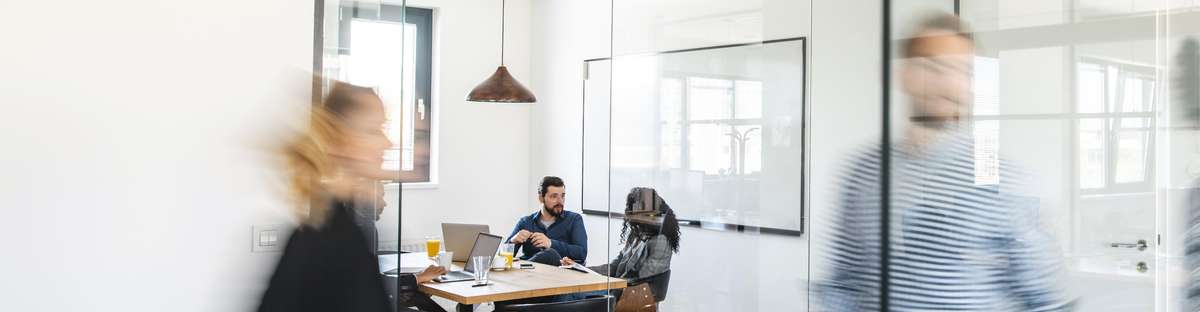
(954, 245)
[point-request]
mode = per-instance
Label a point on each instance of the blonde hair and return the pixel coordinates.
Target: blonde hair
(308, 158)
(309, 163)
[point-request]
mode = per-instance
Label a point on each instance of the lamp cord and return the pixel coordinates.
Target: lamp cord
(502, 6)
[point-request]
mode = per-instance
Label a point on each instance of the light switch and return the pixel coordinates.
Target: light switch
(266, 238)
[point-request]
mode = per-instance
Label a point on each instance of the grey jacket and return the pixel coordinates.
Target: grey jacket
(642, 258)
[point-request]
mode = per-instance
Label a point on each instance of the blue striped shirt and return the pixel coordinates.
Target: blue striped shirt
(954, 245)
(1192, 248)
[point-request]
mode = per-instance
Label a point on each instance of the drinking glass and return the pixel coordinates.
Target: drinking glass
(482, 265)
(433, 245)
(445, 258)
(506, 252)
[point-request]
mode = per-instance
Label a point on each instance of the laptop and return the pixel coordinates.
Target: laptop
(485, 246)
(459, 238)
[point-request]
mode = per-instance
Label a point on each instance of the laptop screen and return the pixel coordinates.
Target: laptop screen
(485, 246)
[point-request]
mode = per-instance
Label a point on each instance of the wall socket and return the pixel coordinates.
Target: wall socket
(267, 238)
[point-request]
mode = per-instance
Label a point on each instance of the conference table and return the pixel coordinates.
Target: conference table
(542, 280)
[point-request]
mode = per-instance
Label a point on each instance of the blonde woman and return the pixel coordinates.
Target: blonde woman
(329, 263)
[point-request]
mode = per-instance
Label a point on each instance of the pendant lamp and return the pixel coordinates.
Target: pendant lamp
(501, 87)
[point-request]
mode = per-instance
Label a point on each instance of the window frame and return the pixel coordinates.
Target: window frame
(425, 84)
(686, 122)
(1112, 117)
(1110, 120)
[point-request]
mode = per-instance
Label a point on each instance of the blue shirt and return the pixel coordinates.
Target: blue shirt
(954, 245)
(567, 235)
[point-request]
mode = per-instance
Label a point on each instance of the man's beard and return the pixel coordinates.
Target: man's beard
(935, 123)
(552, 211)
(923, 116)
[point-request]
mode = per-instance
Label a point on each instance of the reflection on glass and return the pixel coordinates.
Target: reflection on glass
(721, 108)
(986, 87)
(1090, 88)
(1115, 152)
(695, 125)
(671, 102)
(749, 152)
(747, 99)
(1132, 95)
(709, 99)
(1132, 150)
(1091, 153)
(706, 154)
(987, 152)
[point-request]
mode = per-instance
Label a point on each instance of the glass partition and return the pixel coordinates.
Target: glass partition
(1040, 155)
(807, 155)
(371, 44)
(703, 106)
(717, 128)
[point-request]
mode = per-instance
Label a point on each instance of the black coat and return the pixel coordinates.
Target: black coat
(327, 269)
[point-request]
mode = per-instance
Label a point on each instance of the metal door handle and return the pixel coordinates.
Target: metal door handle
(1140, 245)
(421, 107)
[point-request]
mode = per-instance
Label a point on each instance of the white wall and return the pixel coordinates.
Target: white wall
(717, 271)
(565, 33)
(482, 149)
(135, 150)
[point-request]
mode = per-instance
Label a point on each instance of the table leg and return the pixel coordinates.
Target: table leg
(465, 308)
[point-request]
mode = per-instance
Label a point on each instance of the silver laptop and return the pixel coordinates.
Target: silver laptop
(459, 238)
(485, 245)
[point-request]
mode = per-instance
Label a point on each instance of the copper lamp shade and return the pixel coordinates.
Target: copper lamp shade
(501, 87)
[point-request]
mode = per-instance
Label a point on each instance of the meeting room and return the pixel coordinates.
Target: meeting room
(600, 155)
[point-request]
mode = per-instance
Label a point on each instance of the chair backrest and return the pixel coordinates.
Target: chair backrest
(636, 298)
(658, 284)
(595, 304)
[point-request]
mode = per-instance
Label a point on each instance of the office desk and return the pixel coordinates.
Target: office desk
(542, 280)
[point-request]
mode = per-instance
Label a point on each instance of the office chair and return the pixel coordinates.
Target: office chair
(658, 284)
(593, 304)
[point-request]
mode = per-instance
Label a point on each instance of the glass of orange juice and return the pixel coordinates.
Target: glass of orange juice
(433, 245)
(506, 252)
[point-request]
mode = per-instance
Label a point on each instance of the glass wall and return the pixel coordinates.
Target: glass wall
(358, 42)
(706, 104)
(809, 155)
(1039, 158)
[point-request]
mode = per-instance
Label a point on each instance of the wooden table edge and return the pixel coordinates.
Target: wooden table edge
(615, 283)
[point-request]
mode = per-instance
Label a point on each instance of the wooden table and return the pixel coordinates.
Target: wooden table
(542, 280)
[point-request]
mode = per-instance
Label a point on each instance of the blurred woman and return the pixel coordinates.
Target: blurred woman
(329, 263)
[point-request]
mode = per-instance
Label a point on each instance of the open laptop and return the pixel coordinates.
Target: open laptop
(485, 245)
(459, 238)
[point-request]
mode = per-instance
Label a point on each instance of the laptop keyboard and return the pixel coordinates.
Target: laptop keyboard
(459, 274)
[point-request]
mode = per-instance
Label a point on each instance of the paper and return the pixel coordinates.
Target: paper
(408, 263)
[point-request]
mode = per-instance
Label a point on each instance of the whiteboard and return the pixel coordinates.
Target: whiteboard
(719, 132)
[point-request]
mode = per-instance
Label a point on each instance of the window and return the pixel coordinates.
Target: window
(391, 51)
(697, 109)
(1114, 122)
(986, 86)
(1116, 144)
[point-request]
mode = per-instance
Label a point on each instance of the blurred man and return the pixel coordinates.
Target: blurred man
(954, 245)
(551, 233)
(1186, 89)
